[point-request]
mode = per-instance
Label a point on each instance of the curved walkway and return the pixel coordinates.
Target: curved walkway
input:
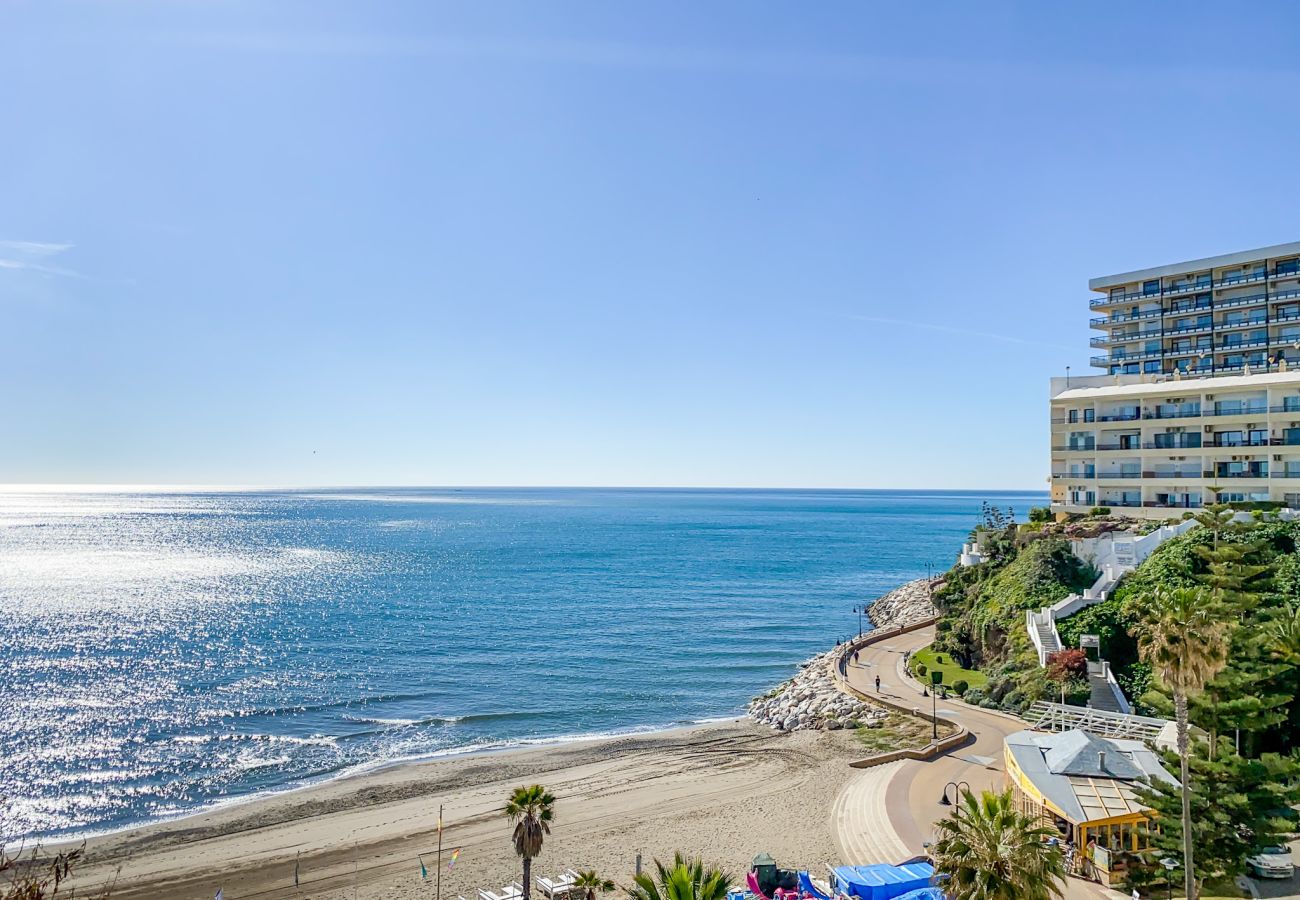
(894, 807)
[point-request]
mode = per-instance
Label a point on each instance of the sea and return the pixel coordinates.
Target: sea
(164, 651)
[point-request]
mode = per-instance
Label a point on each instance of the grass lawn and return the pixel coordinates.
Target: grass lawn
(951, 671)
(899, 732)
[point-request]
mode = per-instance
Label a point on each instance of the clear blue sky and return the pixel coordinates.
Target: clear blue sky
(603, 243)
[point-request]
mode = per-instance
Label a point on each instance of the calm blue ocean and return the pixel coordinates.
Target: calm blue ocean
(160, 652)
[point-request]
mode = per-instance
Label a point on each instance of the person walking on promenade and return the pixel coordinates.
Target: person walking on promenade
(877, 684)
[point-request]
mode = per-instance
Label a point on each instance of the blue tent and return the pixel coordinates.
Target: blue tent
(882, 882)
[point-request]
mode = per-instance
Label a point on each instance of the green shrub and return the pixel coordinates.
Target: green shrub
(1040, 513)
(974, 696)
(959, 687)
(920, 668)
(1099, 511)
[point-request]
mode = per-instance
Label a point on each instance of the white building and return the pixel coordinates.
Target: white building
(1197, 406)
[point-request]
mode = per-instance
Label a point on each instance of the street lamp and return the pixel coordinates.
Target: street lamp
(956, 792)
(1170, 864)
(860, 610)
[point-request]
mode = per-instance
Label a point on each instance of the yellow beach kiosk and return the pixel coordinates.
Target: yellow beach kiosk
(1085, 786)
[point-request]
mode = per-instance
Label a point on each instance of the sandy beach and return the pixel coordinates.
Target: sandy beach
(724, 790)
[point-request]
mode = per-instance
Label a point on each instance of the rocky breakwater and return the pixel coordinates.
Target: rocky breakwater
(811, 701)
(904, 605)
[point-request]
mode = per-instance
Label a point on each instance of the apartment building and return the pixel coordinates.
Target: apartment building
(1201, 397)
(1235, 313)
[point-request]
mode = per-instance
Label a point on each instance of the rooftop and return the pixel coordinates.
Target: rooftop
(1087, 778)
(1195, 265)
(1171, 387)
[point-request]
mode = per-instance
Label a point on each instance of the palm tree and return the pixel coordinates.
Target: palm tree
(989, 850)
(1183, 634)
(589, 883)
(531, 810)
(687, 879)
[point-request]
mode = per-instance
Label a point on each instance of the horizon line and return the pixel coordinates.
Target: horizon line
(111, 487)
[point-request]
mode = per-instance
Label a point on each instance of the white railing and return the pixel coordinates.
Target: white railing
(1053, 642)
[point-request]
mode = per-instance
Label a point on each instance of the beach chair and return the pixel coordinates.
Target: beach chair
(552, 889)
(487, 895)
(512, 891)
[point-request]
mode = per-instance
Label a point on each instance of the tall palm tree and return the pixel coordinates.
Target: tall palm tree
(589, 884)
(989, 850)
(531, 810)
(686, 879)
(1183, 634)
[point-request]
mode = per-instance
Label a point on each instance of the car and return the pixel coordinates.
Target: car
(1272, 862)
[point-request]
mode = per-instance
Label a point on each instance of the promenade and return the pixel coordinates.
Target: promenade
(891, 808)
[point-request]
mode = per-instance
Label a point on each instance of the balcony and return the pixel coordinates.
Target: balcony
(1121, 417)
(1188, 329)
(1104, 476)
(1152, 504)
(1111, 299)
(1074, 476)
(1243, 278)
(1123, 446)
(1161, 476)
(1107, 340)
(1189, 288)
(1241, 301)
(1244, 442)
(1252, 409)
(1135, 503)
(1252, 322)
(1286, 408)
(1074, 448)
(1176, 414)
(1243, 474)
(1181, 445)
(1104, 361)
(1117, 318)
(1240, 345)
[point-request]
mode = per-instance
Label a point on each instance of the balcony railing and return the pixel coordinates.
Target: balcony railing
(1189, 329)
(1121, 417)
(1251, 410)
(1106, 475)
(1253, 321)
(1167, 475)
(1105, 502)
(1179, 414)
(1117, 318)
(1188, 288)
(1077, 476)
(1246, 474)
(1109, 447)
(1134, 297)
(1243, 278)
(1241, 345)
(1153, 445)
(1152, 504)
(1240, 301)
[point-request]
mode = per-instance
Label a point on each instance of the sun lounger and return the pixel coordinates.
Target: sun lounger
(487, 895)
(560, 887)
(512, 891)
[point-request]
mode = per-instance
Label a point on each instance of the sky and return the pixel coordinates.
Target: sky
(722, 244)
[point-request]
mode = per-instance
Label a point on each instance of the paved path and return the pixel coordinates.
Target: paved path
(895, 806)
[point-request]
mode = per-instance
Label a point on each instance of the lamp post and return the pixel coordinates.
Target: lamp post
(956, 792)
(1170, 864)
(860, 610)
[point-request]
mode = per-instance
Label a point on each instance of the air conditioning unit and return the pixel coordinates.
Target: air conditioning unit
(1277, 457)
(1209, 396)
(1209, 429)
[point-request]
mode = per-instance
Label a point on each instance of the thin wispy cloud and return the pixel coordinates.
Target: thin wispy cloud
(964, 332)
(34, 256)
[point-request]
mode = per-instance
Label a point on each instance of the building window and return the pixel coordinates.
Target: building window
(1288, 267)
(1090, 415)
(1151, 287)
(1072, 416)
(1152, 365)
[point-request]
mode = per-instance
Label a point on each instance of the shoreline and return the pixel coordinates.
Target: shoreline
(363, 769)
(360, 824)
(685, 788)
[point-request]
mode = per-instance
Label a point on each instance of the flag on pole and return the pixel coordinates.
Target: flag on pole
(455, 855)
(424, 873)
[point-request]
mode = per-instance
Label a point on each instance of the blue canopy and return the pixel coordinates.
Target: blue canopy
(882, 882)
(929, 893)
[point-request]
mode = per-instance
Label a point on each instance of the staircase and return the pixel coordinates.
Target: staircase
(1105, 691)
(1048, 638)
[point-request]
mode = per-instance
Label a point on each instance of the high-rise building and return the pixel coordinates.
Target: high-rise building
(1201, 397)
